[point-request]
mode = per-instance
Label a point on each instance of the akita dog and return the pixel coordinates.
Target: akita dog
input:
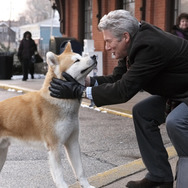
(39, 118)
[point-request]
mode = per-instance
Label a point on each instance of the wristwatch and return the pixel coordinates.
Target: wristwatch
(84, 94)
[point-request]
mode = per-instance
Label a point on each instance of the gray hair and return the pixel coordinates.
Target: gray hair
(119, 22)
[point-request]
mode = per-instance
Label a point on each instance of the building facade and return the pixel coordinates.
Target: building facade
(7, 36)
(79, 19)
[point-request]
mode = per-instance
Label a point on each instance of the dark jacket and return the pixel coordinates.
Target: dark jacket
(159, 65)
(179, 32)
(26, 49)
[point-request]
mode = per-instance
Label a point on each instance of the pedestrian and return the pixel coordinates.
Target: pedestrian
(157, 62)
(26, 52)
(181, 27)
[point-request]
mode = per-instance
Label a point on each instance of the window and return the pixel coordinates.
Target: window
(183, 6)
(88, 20)
(5, 30)
(129, 5)
(180, 7)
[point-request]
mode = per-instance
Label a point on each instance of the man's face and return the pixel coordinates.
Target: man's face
(117, 47)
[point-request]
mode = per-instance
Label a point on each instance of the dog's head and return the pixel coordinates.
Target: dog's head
(72, 63)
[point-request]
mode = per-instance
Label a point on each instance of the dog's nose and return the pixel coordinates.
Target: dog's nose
(94, 57)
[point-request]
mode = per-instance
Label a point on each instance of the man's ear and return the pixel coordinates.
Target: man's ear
(126, 37)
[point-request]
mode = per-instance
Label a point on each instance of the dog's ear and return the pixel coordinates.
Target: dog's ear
(68, 48)
(52, 59)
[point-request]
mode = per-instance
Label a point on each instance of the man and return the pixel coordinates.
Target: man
(158, 63)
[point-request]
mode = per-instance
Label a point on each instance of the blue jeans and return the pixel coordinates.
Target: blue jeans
(177, 128)
(148, 115)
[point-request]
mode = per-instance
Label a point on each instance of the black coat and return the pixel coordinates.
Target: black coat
(26, 49)
(159, 65)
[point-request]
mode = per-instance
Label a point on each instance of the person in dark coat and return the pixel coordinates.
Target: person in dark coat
(26, 50)
(157, 62)
(181, 27)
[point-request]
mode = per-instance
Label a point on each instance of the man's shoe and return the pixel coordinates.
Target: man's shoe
(145, 183)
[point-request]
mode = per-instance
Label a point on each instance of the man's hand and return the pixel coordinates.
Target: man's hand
(69, 89)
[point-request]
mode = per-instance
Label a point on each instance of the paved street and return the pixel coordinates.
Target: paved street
(108, 143)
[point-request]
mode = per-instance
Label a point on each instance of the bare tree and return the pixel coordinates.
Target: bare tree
(37, 10)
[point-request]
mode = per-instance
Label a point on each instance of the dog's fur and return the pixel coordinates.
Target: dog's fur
(39, 118)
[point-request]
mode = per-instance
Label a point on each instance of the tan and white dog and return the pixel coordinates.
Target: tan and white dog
(39, 118)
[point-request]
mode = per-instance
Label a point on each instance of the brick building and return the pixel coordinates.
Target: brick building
(79, 18)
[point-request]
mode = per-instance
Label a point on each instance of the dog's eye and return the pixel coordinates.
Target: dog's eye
(77, 60)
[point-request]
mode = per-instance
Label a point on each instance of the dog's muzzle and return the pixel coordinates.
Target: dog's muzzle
(94, 58)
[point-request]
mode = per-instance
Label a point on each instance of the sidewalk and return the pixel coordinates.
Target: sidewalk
(35, 84)
(116, 177)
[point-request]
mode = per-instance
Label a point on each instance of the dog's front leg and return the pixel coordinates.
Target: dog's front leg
(4, 144)
(56, 168)
(3, 156)
(73, 152)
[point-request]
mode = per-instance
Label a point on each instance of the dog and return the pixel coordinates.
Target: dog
(36, 117)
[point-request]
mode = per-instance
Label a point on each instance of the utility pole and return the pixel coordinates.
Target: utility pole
(9, 28)
(52, 23)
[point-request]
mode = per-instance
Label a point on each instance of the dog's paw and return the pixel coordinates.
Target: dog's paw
(85, 184)
(88, 186)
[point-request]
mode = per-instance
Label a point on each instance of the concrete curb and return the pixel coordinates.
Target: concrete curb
(16, 88)
(110, 111)
(112, 175)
